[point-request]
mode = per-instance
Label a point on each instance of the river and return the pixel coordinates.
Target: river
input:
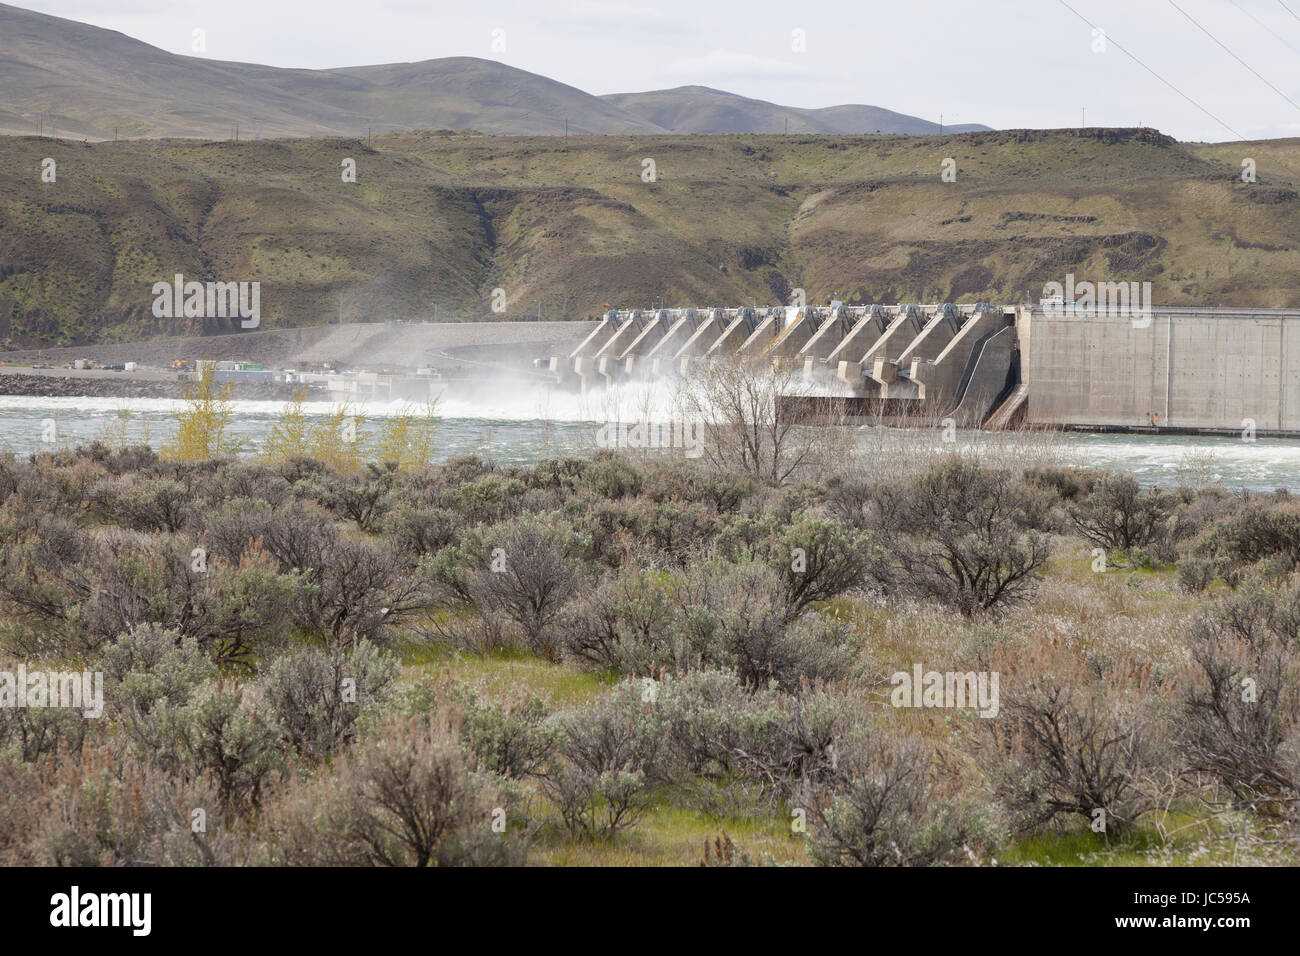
(522, 425)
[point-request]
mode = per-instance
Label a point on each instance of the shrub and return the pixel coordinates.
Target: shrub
(818, 560)
(489, 499)
(612, 476)
(528, 577)
(738, 616)
(1254, 533)
(224, 734)
(878, 806)
(358, 590)
(1243, 699)
(1068, 484)
(404, 798)
(510, 737)
(150, 674)
(153, 505)
(714, 615)
(102, 810)
(623, 622)
(29, 733)
(714, 725)
(1075, 744)
(689, 482)
(421, 531)
(1117, 515)
(966, 545)
(364, 498)
(316, 696)
(609, 752)
(1196, 574)
(86, 589)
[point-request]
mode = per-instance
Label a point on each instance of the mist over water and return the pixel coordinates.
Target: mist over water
(522, 421)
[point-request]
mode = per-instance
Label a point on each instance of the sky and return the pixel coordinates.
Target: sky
(1205, 70)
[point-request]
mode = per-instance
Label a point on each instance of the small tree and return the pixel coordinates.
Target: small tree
(288, 436)
(759, 420)
(407, 438)
(202, 423)
(337, 440)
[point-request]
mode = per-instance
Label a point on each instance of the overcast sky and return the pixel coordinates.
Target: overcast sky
(1007, 63)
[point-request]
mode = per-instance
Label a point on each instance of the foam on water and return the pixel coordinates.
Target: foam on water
(520, 401)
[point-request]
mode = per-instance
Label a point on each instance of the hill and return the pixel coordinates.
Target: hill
(435, 223)
(85, 82)
(698, 109)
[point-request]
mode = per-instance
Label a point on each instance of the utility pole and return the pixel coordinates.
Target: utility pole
(1083, 121)
(566, 129)
(370, 131)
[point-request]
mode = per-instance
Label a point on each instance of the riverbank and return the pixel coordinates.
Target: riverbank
(63, 386)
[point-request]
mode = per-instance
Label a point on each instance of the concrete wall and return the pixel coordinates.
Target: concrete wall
(1188, 368)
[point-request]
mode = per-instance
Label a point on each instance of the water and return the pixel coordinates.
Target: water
(520, 424)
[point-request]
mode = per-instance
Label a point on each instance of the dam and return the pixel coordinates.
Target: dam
(1215, 370)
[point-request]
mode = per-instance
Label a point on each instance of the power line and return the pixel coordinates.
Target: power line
(1287, 9)
(1112, 40)
(1279, 36)
(1234, 56)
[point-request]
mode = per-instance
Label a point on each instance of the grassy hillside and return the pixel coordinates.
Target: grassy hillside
(436, 222)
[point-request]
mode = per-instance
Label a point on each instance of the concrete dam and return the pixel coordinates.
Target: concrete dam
(1221, 370)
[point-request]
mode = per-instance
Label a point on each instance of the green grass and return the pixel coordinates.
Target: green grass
(675, 836)
(1184, 837)
(1088, 603)
(561, 684)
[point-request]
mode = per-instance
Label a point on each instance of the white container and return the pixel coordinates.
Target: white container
(79, 363)
(130, 366)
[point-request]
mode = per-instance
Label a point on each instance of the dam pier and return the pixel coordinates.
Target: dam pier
(1217, 370)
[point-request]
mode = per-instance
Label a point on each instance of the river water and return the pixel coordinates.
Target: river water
(521, 425)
